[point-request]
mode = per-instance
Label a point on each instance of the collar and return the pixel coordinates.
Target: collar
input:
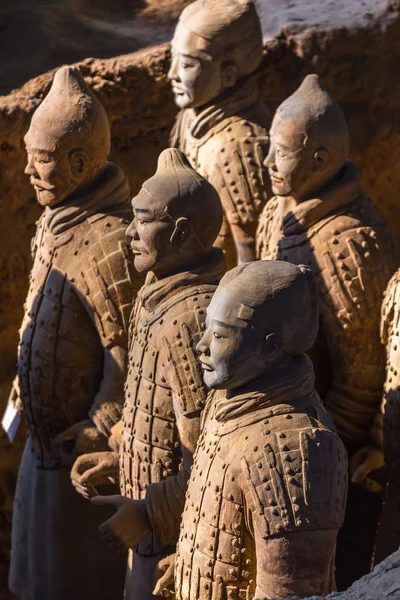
(343, 190)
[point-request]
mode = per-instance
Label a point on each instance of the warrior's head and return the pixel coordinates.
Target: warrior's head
(261, 313)
(216, 43)
(68, 141)
(309, 141)
(177, 217)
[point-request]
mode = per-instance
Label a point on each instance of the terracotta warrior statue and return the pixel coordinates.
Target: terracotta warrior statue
(73, 344)
(177, 217)
(320, 217)
(222, 126)
(267, 490)
(383, 446)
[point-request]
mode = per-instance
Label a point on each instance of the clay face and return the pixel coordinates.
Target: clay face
(55, 175)
(195, 79)
(232, 352)
(150, 235)
(293, 167)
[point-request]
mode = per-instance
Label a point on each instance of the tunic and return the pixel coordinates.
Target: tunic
(266, 495)
(164, 396)
(227, 143)
(347, 243)
(71, 364)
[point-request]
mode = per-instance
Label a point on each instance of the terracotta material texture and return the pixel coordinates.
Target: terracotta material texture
(354, 47)
(222, 126)
(73, 342)
(267, 491)
(321, 218)
(384, 435)
(178, 215)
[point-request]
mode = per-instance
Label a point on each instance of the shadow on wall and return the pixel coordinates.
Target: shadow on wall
(39, 35)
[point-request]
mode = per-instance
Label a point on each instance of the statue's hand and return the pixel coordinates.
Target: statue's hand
(80, 438)
(128, 526)
(164, 577)
(364, 461)
(91, 471)
(14, 397)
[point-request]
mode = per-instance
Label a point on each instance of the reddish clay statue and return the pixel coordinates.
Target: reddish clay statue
(383, 446)
(321, 218)
(178, 215)
(222, 126)
(267, 490)
(71, 361)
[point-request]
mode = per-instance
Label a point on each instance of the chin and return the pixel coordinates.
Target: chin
(183, 101)
(141, 264)
(47, 198)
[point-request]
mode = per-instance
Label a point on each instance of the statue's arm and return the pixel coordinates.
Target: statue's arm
(165, 500)
(353, 280)
(111, 284)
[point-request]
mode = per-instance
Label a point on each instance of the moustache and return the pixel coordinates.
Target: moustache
(136, 249)
(41, 185)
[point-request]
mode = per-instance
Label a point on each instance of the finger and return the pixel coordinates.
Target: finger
(361, 472)
(115, 501)
(86, 492)
(92, 474)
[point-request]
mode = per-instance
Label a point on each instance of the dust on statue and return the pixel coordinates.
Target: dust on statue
(320, 217)
(267, 490)
(73, 344)
(222, 126)
(177, 217)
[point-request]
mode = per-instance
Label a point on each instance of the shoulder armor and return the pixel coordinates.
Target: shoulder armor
(355, 268)
(239, 174)
(297, 480)
(182, 334)
(110, 281)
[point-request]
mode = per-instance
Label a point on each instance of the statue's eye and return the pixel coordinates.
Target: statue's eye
(280, 153)
(217, 336)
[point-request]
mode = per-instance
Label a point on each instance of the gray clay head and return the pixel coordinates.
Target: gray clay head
(177, 213)
(261, 311)
(309, 141)
(68, 141)
(216, 42)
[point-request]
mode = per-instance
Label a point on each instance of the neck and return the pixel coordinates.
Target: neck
(190, 263)
(315, 191)
(267, 376)
(82, 188)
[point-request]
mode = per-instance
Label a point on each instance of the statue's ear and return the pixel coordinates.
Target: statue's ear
(181, 232)
(229, 75)
(272, 346)
(78, 162)
(321, 157)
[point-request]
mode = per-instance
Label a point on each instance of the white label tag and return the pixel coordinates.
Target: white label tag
(11, 420)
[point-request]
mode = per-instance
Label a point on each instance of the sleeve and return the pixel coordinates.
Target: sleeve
(165, 500)
(294, 486)
(356, 269)
(390, 318)
(110, 285)
(242, 183)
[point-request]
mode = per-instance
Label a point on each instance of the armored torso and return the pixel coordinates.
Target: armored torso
(269, 471)
(347, 243)
(78, 304)
(164, 386)
(227, 144)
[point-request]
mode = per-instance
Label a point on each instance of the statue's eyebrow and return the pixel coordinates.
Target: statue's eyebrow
(221, 324)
